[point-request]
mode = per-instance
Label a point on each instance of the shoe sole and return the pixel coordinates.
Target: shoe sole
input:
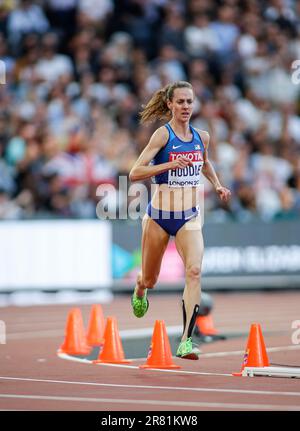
(191, 356)
(144, 313)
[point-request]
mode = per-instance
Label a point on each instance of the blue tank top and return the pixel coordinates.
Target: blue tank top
(175, 147)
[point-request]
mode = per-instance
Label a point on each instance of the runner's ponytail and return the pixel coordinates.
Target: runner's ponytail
(157, 107)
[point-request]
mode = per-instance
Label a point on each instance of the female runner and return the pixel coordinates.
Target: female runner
(175, 156)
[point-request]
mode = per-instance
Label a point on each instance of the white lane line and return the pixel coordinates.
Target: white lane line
(135, 367)
(161, 370)
(74, 359)
(241, 352)
(155, 402)
(38, 334)
(202, 356)
(15, 410)
(172, 388)
(144, 332)
(124, 334)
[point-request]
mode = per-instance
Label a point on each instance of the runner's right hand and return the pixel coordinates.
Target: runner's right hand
(181, 162)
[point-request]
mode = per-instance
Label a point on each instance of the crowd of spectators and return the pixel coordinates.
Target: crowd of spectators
(78, 71)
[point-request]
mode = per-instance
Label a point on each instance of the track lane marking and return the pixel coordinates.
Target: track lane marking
(241, 352)
(179, 388)
(135, 367)
(155, 402)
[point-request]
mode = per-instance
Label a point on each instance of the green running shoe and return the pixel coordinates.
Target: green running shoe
(139, 305)
(187, 351)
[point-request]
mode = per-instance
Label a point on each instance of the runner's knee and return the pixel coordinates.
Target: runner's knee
(193, 272)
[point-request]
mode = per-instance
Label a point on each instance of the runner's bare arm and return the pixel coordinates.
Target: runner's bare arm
(141, 170)
(209, 171)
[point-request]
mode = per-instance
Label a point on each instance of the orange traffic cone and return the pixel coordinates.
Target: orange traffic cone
(75, 338)
(95, 332)
(205, 325)
(255, 354)
(160, 355)
(112, 351)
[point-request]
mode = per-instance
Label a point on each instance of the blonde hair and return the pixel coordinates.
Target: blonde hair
(157, 108)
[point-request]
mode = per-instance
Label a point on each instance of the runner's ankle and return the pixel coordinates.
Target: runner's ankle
(140, 292)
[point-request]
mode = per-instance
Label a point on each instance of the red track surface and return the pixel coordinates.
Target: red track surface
(32, 377)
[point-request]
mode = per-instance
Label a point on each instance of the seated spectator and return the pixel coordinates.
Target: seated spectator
(9, 209)
(5, 7)
(288, 209)
(62, 17)
(245, 206)
(52, 65)
(96, 11)
(226, 32)
(27, 17)
(200, 38)
(168, 64)
(8, 60)
(172, 32)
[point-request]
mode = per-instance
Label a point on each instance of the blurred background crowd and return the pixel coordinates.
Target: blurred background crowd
(78, 72)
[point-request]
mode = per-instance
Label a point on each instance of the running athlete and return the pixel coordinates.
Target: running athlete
(174, 157)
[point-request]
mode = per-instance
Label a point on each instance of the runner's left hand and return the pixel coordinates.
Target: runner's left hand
(224, 193)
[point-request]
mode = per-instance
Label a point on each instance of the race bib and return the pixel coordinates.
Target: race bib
(190, 176)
